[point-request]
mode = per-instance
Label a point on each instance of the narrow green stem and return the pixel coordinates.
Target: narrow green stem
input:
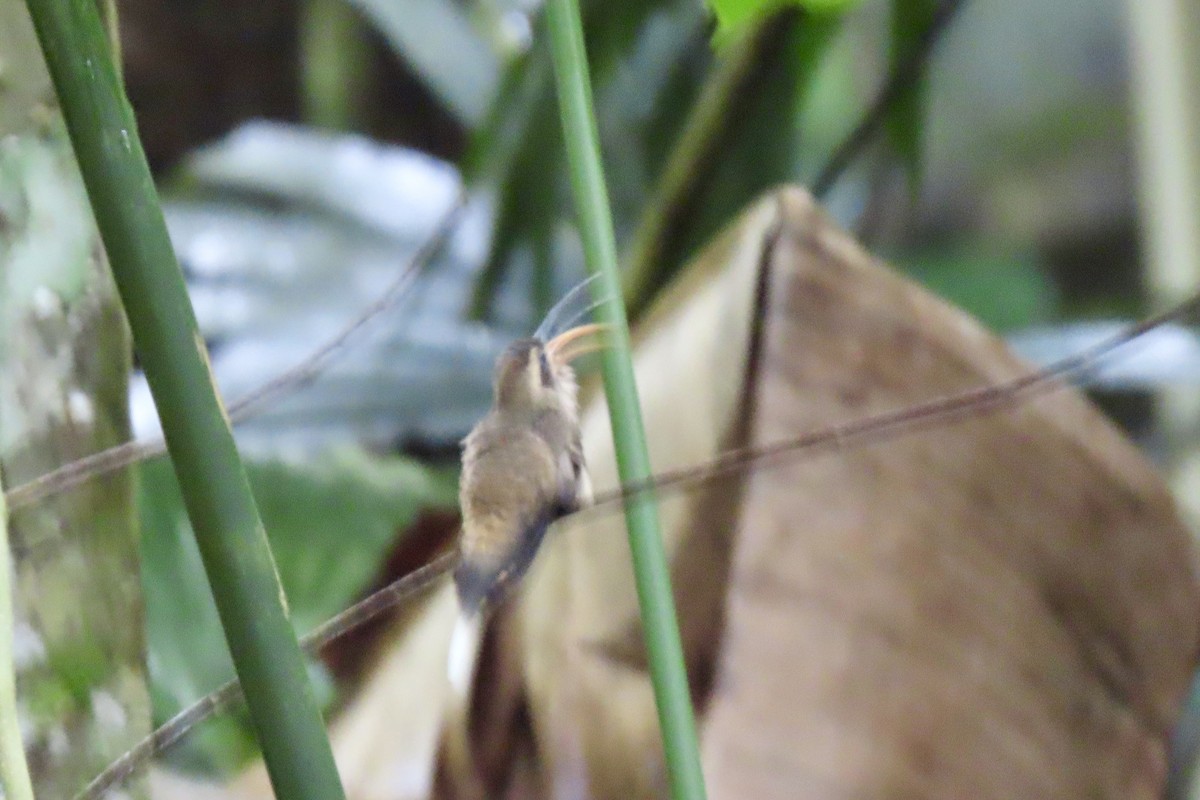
(14, 771)
(651, 573)
(231, 538)
(335, 64)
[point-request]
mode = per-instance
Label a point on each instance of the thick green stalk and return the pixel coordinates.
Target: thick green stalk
(652, 576)
(232, 542)
(14, 770)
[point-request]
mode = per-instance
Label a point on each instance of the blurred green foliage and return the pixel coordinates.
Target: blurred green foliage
(910, 20)
(330, 523)
(689, 137)
(734, 16)
(1006, 290)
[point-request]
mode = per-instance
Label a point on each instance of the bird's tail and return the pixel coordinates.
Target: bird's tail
(461, 661)
(464, 651)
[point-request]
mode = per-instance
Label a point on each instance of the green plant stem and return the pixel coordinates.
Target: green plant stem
(335, 66)
(213, 482)
(14, 771)
(651, 573)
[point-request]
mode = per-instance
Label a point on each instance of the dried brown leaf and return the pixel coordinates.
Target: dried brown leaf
(1005, 607)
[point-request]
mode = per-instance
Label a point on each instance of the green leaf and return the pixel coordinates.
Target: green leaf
(741, 138)
(640, 54)
(1007, 290)
(735, 16)
(438, 40)
(910, 20)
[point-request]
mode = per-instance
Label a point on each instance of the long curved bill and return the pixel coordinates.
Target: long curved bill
(576, 342)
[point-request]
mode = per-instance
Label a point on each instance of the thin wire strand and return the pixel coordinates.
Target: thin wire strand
(174, 729)
(887, 425)
(84, 469)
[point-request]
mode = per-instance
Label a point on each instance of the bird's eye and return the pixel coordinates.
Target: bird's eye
(544, 365)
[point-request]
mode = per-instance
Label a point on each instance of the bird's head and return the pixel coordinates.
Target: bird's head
(534, 376)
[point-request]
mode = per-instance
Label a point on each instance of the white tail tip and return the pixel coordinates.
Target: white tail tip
(464, 647)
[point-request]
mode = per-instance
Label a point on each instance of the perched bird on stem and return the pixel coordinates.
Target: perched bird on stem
(523, 468)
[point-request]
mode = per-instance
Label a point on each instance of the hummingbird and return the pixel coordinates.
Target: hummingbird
(522, 469)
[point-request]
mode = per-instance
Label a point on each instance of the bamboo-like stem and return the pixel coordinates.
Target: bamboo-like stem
(335, 66)
(230, 535)
(14, 770)
(1164, 93)
(1166, 89)
(651, 574)
(174, 729)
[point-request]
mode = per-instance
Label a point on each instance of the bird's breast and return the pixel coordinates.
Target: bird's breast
(509, 480)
